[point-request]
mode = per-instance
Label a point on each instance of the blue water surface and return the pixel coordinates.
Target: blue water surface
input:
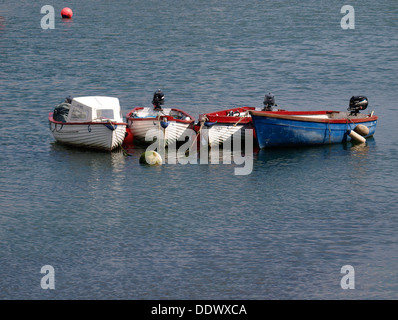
(114, 229)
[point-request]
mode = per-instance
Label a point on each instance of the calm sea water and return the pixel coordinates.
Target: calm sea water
(113, 229)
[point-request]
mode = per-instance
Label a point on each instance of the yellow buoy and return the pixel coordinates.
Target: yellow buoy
(151, 158)
(362, 130)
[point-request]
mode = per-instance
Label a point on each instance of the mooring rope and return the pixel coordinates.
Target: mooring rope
(330, 132)
(58, 130)
(111, 123)
(125, 153)
(348, 119)
(241, 118)
(197, 134)
(164, 130)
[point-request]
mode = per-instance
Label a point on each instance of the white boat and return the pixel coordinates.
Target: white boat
(222, 125)
(91, 122)
(172, 123)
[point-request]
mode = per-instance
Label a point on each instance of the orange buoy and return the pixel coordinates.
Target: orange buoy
(66, 13)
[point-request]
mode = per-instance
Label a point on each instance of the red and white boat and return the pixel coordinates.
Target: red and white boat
(172, 122)
(90, 122)
(221, 125)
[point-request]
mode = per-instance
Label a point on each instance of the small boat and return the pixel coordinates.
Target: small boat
(173, 123)
(221, 125)
(91, 122)
(301, 128)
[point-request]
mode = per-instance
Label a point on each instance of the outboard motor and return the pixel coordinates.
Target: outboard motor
(357, 103)
(158, 100)
(68, 99)
(269, 102)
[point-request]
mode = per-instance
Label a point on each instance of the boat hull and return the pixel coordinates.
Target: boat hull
(101, 136)
(171, 123)
(280, 131)
(219, 133)
(142, 128)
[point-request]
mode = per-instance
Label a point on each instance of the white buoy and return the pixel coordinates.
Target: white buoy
(355, 136)
(362, 130)
(151, 158)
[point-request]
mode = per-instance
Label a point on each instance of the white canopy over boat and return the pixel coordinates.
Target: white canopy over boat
(95, 108)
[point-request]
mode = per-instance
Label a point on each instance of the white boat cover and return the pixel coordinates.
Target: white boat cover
(95, 108)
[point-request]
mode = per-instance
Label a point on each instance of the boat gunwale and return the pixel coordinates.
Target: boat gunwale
(298, 116)
(224, 119)
(51, 119)
(169, 118)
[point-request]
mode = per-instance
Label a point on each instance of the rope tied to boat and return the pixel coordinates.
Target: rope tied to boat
(125, 153)
(241, 118)
(165, 142)
(203, 120)
(110, 125)
(330, 132)
(348, 128)
(55, 127)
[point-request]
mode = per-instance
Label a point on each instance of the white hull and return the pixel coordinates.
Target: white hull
(97, 136)
(174, 132)
(219, 133)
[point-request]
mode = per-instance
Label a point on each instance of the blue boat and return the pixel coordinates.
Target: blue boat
(304, 128)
